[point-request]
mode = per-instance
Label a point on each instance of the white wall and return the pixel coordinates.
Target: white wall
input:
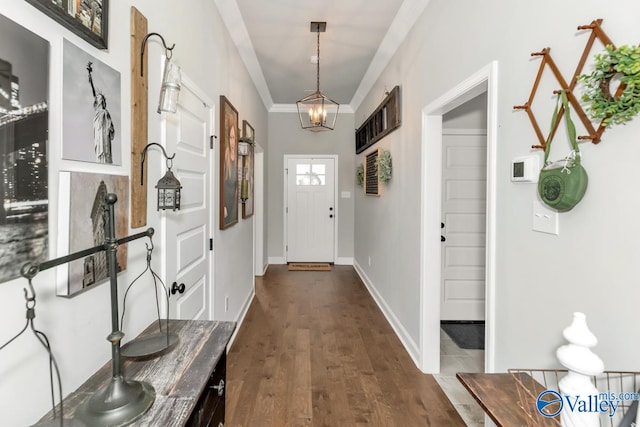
(77, 327)
(287, 137)
(540, 279)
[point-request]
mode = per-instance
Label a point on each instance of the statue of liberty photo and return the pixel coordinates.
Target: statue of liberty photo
(103, 131)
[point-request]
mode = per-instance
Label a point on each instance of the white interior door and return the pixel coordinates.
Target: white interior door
(187, 231)
(464, 178)
(311, 209)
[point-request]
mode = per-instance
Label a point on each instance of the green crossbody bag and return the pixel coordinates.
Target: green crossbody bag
(562, 184)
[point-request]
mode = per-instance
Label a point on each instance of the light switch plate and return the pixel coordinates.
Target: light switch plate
(545, 220)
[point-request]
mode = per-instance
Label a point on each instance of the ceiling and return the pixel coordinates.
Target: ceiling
(276, 44)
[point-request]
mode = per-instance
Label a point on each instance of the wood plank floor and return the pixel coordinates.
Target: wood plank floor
(315, 350)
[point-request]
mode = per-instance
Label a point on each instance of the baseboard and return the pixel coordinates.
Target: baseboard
(243, 314)
(404, 337)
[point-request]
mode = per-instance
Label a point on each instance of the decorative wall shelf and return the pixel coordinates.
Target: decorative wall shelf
(371, 182)
(593, 134)
(384, 120)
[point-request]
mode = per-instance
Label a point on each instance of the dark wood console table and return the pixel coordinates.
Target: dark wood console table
(183, 378)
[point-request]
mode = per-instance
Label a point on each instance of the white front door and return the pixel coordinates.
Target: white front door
(187, 231)
(464, 182)
(310, 209)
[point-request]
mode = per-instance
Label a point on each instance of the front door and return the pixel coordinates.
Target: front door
(310, 209)
(464, 182)
(187, 231)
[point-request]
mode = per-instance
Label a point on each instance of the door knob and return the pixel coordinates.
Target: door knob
(177, 288)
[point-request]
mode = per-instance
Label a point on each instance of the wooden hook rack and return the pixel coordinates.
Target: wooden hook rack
(594, 135)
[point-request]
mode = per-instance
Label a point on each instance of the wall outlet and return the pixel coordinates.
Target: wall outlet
(226, 304)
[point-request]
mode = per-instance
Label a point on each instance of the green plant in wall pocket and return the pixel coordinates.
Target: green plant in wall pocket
(360, 175)
(384, 166)
(613, 63)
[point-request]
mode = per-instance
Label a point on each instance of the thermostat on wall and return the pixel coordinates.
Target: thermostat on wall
(525, 169)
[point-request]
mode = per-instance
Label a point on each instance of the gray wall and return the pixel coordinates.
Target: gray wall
(77, 327)
(287, 137)
(541, 279)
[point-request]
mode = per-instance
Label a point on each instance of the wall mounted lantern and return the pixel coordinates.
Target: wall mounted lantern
(168, 186)
(244, 145)
(316, 111)
(171, 77)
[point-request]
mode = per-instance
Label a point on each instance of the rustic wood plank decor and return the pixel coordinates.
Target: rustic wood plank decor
(384, 120)
(139, 117)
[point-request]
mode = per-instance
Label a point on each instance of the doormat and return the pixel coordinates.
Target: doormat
(467, 335)
(314, 266)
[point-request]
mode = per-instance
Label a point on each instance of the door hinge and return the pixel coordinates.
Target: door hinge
(210, 244)
(211, 138)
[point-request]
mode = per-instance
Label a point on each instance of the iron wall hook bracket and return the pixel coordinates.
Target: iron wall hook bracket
(168, 51)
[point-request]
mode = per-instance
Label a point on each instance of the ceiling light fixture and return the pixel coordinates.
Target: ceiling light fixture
(316, 111)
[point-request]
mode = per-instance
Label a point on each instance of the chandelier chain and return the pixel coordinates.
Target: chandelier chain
(318, 61)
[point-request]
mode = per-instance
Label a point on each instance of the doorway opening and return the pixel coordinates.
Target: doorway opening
(431, 271)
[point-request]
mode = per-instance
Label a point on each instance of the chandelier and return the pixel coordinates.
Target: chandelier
(316, 111)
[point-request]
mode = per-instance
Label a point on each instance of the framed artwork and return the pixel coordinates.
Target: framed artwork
(247, 164)
(89, 20)
(228, 163)
(91, 112)
(24, 129)
(81, 223)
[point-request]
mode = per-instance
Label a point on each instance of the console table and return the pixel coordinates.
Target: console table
(498, 396)
(188, 379)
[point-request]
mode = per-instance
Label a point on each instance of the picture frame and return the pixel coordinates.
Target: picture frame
(24, 148)
(248, 166)
(91, 108)
(90, 24)
(81, 222)
(229, 131)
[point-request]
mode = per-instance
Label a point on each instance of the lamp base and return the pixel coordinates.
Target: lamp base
(67, 422)
(120, 403)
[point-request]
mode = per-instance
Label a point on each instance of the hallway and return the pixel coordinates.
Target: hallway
(315, 350)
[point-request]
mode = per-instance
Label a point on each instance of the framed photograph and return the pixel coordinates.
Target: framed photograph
(91, 111)
(89, 20)
(24, 138)
(81, 225)
(247, 164)
(228, 163)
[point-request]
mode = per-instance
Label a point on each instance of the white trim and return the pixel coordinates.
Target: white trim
(232, 18)
(243, 314)
(407, 15)
(456, 131)
(404, 336)
(344, 261)
(336, 214)
(485, 80)
(276, 260)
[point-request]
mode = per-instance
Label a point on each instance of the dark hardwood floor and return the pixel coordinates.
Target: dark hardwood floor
(315, 350)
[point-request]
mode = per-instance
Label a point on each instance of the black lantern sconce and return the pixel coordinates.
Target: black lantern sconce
(171, 77)
(168, 186)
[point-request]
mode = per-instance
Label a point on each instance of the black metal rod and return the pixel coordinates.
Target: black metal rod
(30, 269)
(144, 152)
(167, 50)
